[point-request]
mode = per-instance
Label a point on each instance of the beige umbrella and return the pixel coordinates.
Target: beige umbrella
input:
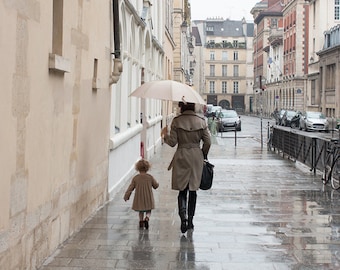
(168, 90)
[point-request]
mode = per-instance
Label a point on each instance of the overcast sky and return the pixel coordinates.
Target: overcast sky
(232, 9)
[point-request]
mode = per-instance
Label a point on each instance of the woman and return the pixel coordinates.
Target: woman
(188, 130)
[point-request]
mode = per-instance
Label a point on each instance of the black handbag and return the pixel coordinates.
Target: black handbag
(207, 175)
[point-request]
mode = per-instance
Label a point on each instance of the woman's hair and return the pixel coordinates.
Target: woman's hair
(142, 165)
(186, 106)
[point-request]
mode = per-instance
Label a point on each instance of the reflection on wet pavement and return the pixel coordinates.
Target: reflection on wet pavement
(263, 211)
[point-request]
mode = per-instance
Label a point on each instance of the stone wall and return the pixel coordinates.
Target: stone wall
(55, 123)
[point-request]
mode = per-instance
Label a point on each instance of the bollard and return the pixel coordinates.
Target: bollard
(235, 133)
(268, 129)
(268, 136)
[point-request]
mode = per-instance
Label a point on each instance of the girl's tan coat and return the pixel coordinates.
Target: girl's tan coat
(142, 184)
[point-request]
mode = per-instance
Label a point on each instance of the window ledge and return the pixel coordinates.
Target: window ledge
(59, 63)
(96, 84)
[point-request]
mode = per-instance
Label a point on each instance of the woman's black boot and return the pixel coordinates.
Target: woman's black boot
(182, 211)
(190, 224)
(184, 226)
(191, 208)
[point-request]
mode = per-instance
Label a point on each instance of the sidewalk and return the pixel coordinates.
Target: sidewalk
(263, 211)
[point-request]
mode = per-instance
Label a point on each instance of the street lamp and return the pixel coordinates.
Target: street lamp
(184, 27)
(193, 64)
(191, 48)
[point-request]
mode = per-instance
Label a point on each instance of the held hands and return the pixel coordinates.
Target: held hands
(164, 131)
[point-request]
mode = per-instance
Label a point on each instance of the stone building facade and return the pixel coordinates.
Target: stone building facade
(329, 77)
(294, 48)
(226, 52)
(72, 133)
(55, 110)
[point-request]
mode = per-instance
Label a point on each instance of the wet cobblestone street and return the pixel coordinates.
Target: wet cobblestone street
(263, 211)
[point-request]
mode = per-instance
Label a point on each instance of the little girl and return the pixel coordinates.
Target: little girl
(143, 201)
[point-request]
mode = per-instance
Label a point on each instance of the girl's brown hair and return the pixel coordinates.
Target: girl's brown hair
(142, 165)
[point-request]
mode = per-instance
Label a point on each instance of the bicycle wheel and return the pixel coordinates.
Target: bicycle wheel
(335, 174)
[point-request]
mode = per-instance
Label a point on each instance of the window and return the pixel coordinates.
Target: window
(212, 87)
(224, 70)
(235, 43)
(336, 9)
(330, 77)
(210, 28)
(212, 55)
(235, 88)
(313, 91)
(57, 61)
(236, 71)
(224, 56)
(57, 27)
(273, 23)
(224, 87)
(212, 70)
(235, 55)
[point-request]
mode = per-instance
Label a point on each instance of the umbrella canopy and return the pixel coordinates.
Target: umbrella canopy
(168, 90)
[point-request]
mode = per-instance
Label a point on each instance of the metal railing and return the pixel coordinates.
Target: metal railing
(307, 149)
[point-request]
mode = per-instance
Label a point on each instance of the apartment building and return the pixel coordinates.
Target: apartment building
(268, 56)
(227, 56)
(329, 77)
(288, 43)
(323, 75)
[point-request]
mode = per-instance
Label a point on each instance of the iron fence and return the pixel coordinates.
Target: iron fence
(307, 149)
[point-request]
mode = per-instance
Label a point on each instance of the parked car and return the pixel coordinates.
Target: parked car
(279, 116)
(314, 121)
(229, 120)
(207, 109)
(213, 111)
(288, 117)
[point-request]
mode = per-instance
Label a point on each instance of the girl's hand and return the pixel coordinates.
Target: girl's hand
(164, 131)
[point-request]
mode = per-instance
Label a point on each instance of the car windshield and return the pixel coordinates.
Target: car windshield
(228, 114)
(316, 115)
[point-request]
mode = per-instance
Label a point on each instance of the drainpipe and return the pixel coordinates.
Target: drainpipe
(117, 63)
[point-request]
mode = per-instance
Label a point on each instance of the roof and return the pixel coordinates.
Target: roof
(196, 34)
(274, 10)
(228, 28)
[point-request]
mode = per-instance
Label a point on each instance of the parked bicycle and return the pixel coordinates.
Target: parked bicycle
(332, 165)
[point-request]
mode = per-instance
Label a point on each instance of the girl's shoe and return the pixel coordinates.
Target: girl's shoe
(146, 223)
(141, 224)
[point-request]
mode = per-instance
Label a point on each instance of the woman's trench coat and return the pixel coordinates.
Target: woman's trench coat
(188, 130)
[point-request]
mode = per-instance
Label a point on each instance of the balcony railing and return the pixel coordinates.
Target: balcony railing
(226, 45)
